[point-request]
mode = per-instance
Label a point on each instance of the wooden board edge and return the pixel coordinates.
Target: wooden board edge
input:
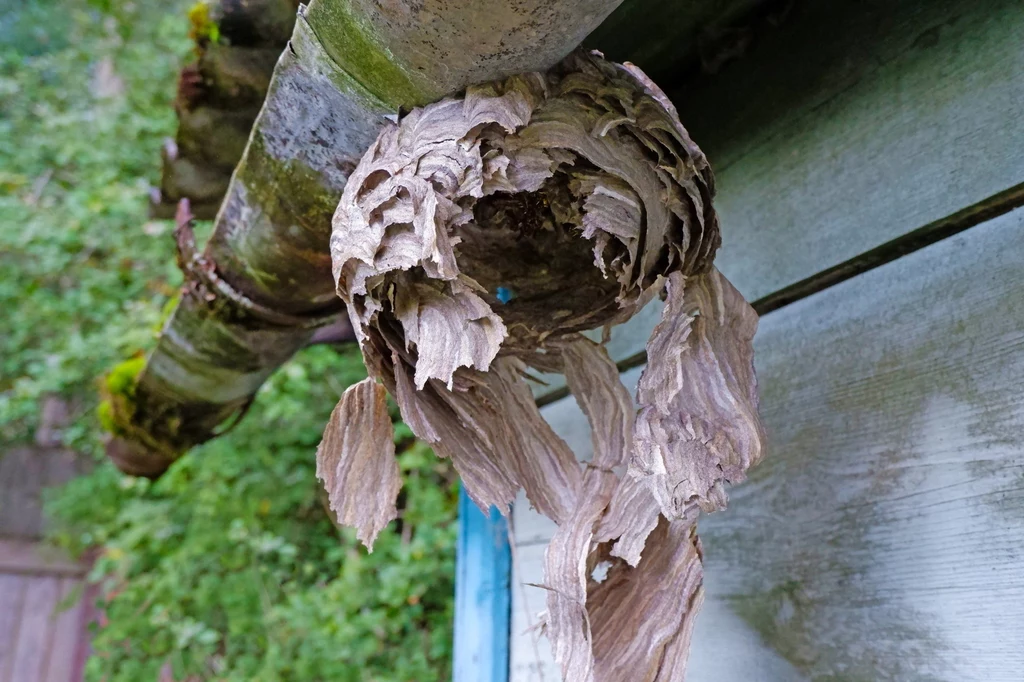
(25, 557)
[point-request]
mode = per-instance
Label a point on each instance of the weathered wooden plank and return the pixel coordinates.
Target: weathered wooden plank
(897, 569)
(21, 476)
(887, 520)
(35, 558)
(530, 658)
(35, 632)
(856, 122)
(24, 474)
(882, 538)
(725, 648)
(67, 634)
(12, 594)
(853, 124)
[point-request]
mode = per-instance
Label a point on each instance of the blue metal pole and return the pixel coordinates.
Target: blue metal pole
(483, 573)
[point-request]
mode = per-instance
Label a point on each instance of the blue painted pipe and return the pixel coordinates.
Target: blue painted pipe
(483, 604)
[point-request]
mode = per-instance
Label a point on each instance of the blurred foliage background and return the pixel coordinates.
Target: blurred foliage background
(227, 568)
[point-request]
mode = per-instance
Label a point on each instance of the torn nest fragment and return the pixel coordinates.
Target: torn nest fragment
(475, 241)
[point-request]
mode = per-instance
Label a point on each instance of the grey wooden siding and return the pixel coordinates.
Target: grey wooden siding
(25, 473)
(43, 616)
(853, 124)
(43, 635)
(882, 539)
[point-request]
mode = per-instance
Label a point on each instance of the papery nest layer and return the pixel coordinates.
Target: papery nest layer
(477, 239)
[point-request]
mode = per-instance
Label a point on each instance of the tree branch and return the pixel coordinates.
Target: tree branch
(349, 68)
(219, 97)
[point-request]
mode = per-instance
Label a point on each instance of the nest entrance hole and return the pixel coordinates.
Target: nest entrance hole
(529, 247)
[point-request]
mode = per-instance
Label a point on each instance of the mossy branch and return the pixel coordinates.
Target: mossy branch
(237, 45)
(267, 285)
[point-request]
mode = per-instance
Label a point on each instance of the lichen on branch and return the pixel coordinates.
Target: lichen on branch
(476, 240)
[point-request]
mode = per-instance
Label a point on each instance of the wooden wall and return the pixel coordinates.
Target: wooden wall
(44, 615)
(870, 158)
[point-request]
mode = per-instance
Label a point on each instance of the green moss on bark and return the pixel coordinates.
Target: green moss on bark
(121, 379)
(203, 27)
(352, 46)
(118, 392)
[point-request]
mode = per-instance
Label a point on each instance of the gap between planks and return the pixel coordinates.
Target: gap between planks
(992, 207)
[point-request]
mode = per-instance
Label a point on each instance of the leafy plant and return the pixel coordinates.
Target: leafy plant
(84, 103)
(229, 567)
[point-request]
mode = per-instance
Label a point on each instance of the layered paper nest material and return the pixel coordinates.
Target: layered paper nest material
(476, 239)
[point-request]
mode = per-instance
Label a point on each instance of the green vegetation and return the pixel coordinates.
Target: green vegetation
(118, 385)
(228, 568)
(204, 28)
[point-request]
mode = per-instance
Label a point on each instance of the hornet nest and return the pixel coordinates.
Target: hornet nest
(476, 240)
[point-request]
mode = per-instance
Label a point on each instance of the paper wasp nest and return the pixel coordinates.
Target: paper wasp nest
(476, 240)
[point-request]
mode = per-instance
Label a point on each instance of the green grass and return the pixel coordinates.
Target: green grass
(228, 567)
